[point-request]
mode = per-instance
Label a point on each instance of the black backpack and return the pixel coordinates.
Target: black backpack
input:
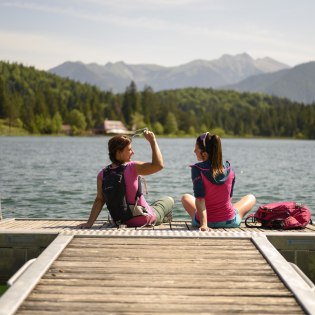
(115, 194)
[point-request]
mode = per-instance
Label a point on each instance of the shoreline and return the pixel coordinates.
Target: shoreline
(13, 135)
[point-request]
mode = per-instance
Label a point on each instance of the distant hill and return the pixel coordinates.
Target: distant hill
(117, 76)
(296, 84)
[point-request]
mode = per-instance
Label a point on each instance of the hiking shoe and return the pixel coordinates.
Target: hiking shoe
(168, 218)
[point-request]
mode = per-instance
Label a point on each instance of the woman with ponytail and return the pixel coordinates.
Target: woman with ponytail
(213, 182)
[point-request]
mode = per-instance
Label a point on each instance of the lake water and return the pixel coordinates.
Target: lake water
(55, 177)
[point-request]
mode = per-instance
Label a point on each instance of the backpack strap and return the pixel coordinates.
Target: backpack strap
(250, 221)
(139, 190)
(121, 169)
(106, 170)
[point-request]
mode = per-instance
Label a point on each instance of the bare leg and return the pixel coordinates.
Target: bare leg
(245, 205)
(188, 202)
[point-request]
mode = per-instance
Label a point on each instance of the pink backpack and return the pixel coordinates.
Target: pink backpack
(281, 215)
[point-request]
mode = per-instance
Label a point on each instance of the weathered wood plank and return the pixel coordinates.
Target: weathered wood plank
(147, 254)
(222, 312)
(149, 296)
(157, 282)
(184, 243)
(162, 298)
(49, 292)
(166, 241)
(103, 274)
(164, 259)
(162, 269)
(217, 305)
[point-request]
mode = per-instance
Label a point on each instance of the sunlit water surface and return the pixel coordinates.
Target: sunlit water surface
(55, 177)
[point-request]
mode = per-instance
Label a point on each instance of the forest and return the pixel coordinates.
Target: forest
(42, 103)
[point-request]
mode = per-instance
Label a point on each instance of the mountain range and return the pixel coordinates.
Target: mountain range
(240, 72)
(296, 84)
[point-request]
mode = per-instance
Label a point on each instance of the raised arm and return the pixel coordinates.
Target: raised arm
(96, 208)
(147, 168)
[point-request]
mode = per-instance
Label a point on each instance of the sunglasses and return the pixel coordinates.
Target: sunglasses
(139, 132)
(203, 138)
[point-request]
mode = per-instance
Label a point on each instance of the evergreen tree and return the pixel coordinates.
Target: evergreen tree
(77, 121)
(56, 123)
(150, 105)
(3, 98)
(131, 102)
(171, 126)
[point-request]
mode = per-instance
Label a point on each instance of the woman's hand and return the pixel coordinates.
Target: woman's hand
(96, 208)
(204, 228)
(149, 135)
(147, 168)
(85, 225)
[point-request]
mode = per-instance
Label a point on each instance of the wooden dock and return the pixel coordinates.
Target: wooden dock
(171, 269)
(103, 227)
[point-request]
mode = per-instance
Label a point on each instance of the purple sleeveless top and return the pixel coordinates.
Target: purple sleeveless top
(131, 180)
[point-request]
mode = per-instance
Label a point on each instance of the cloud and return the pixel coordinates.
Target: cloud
(167, 31)
(46, 51)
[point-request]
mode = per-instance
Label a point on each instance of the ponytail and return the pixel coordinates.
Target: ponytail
(212, 145)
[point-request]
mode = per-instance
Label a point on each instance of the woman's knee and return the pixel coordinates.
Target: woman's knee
(185, 198)
(188, 202)
(252, 199)
(245, 204)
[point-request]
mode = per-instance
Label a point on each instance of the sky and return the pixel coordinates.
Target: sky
(46, 33)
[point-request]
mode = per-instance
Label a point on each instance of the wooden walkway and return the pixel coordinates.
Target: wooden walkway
(166, 270)
(161, 276)
(104, 227)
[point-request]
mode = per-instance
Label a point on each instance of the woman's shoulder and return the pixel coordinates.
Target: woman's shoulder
(204, 165)
(100, 173)
(129, 165)
(130, 168)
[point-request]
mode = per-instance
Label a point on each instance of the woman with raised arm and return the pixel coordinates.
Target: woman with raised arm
(213, 182)
(120, 152)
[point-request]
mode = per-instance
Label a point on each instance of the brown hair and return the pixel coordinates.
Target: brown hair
(212, 145)
(115, 144)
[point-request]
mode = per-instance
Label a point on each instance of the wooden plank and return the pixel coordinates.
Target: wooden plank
(9, 224)
(137, 298)
(192, 242)
(223, 311)
(129, 289)
(102, 273)
(158, 282)
(226, 305)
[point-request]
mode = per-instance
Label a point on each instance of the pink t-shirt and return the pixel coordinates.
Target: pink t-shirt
(131, 180)
(218, 202)
(217, 194)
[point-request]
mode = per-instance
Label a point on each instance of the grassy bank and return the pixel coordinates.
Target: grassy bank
(7, 130)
